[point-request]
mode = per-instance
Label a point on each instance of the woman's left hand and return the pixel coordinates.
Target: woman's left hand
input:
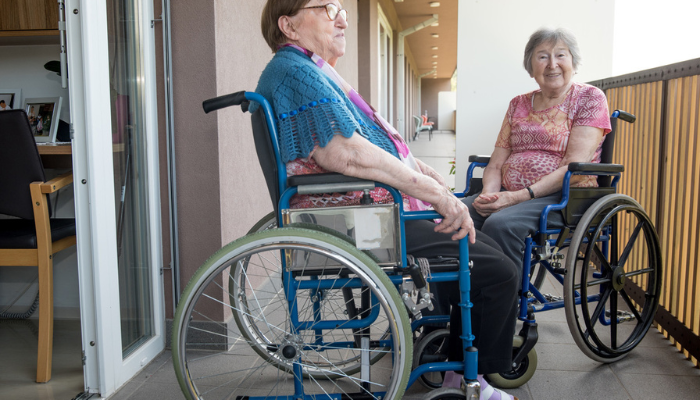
(487, 204)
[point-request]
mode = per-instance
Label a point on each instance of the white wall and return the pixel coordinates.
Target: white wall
(492, 37)
(447, 104)
(22, 67)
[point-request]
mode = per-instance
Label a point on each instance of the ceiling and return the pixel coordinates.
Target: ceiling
(413, 12)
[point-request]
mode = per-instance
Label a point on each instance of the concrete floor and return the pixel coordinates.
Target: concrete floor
(654, 370)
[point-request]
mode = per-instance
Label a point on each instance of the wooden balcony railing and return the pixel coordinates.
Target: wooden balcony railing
(661, 154)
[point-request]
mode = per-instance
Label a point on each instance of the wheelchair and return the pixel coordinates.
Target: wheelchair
(607, 258)
(313, 303)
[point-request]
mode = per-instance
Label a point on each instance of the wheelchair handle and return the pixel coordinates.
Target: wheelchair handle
(624, 115)
(217, 103)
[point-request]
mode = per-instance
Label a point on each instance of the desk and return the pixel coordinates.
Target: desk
(59, 156)
(54, 149)
(54, 155)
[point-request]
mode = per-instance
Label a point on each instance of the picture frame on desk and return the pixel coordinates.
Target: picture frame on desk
(10, 99)
(43, 114)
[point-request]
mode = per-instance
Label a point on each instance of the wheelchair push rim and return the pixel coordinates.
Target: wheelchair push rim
(612, 287)
(237, 370)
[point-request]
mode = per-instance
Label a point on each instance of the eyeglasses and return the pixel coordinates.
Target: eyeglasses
(332, 11)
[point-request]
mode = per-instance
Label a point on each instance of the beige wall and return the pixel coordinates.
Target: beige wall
(218, 49)
(348, 66)
(196, 134)
(241, 55)
(429, 96)
(367, 55)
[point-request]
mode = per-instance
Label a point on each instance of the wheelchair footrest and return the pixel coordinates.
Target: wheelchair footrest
(551, 297)
(622, 316)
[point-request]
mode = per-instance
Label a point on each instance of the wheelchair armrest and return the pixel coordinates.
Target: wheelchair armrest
(596, 167)
(328, 183)
(479, 158)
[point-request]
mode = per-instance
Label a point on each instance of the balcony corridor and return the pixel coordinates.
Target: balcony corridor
(654, 370)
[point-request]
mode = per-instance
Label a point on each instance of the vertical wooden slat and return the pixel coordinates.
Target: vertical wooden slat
(673, 238)
(688, 220)
(682, 199)
(691, 319)
(669, 202)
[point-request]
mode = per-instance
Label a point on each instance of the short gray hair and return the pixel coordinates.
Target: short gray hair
(546, 35)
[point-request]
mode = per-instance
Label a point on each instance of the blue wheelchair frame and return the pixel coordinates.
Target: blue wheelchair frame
(469, 365)
(542, 238)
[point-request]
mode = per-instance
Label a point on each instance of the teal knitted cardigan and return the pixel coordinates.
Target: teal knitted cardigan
(311, 108)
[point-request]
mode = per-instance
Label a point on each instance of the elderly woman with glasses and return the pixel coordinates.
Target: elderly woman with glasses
(325, 126)
(543, 131)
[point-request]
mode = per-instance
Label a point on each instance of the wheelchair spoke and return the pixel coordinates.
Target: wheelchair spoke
(600, 307)
(603, 261)
(596, 282)
(631, 305)
(613, 321)
(639, 272)
(630, 244)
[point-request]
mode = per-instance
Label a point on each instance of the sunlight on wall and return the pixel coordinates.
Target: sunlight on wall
(650, 33)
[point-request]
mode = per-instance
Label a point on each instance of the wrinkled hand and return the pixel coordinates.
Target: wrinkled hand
(489, 203)
(455, 218)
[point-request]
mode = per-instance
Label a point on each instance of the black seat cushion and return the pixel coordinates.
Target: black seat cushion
(21, 233)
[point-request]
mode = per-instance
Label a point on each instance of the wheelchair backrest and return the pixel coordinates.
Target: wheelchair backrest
(266, 155)
(606, 153)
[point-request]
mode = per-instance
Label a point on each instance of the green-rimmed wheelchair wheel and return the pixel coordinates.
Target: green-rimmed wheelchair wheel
(214, 359)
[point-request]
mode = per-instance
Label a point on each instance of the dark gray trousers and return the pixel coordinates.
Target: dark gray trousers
(510, 226)
(494, 285)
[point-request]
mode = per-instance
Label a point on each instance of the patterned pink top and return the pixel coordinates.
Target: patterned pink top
(538, 139)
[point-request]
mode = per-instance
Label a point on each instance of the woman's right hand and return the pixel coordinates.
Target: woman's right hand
(482, 201)
(455, 217)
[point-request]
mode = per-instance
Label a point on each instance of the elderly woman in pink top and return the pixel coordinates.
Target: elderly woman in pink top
(543, 131)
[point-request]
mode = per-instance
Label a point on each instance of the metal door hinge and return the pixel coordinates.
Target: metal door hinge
(159, 19)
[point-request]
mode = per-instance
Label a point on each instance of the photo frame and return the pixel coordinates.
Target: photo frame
(10, 99)
(43, 114)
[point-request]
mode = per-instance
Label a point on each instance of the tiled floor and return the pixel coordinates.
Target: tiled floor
(654, 370)
(18, 346)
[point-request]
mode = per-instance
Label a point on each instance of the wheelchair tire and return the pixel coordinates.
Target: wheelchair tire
(446, 394)
(269, 221)
(215, 358)
(597, 280)
(431, 348)
(521, 373)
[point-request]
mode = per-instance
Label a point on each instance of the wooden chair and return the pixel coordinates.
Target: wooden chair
(31, 238)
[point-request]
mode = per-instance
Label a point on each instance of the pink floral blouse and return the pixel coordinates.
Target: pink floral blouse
(538, 139)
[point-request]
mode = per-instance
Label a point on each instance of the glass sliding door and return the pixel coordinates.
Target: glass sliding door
(127, 93)
(111, 62)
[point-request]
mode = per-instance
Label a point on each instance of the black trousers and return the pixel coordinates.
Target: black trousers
(494, 288)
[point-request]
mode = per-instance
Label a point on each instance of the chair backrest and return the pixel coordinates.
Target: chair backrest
(417, 121)
(20, 164)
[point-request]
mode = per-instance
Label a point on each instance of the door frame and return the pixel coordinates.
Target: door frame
(105, 370)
